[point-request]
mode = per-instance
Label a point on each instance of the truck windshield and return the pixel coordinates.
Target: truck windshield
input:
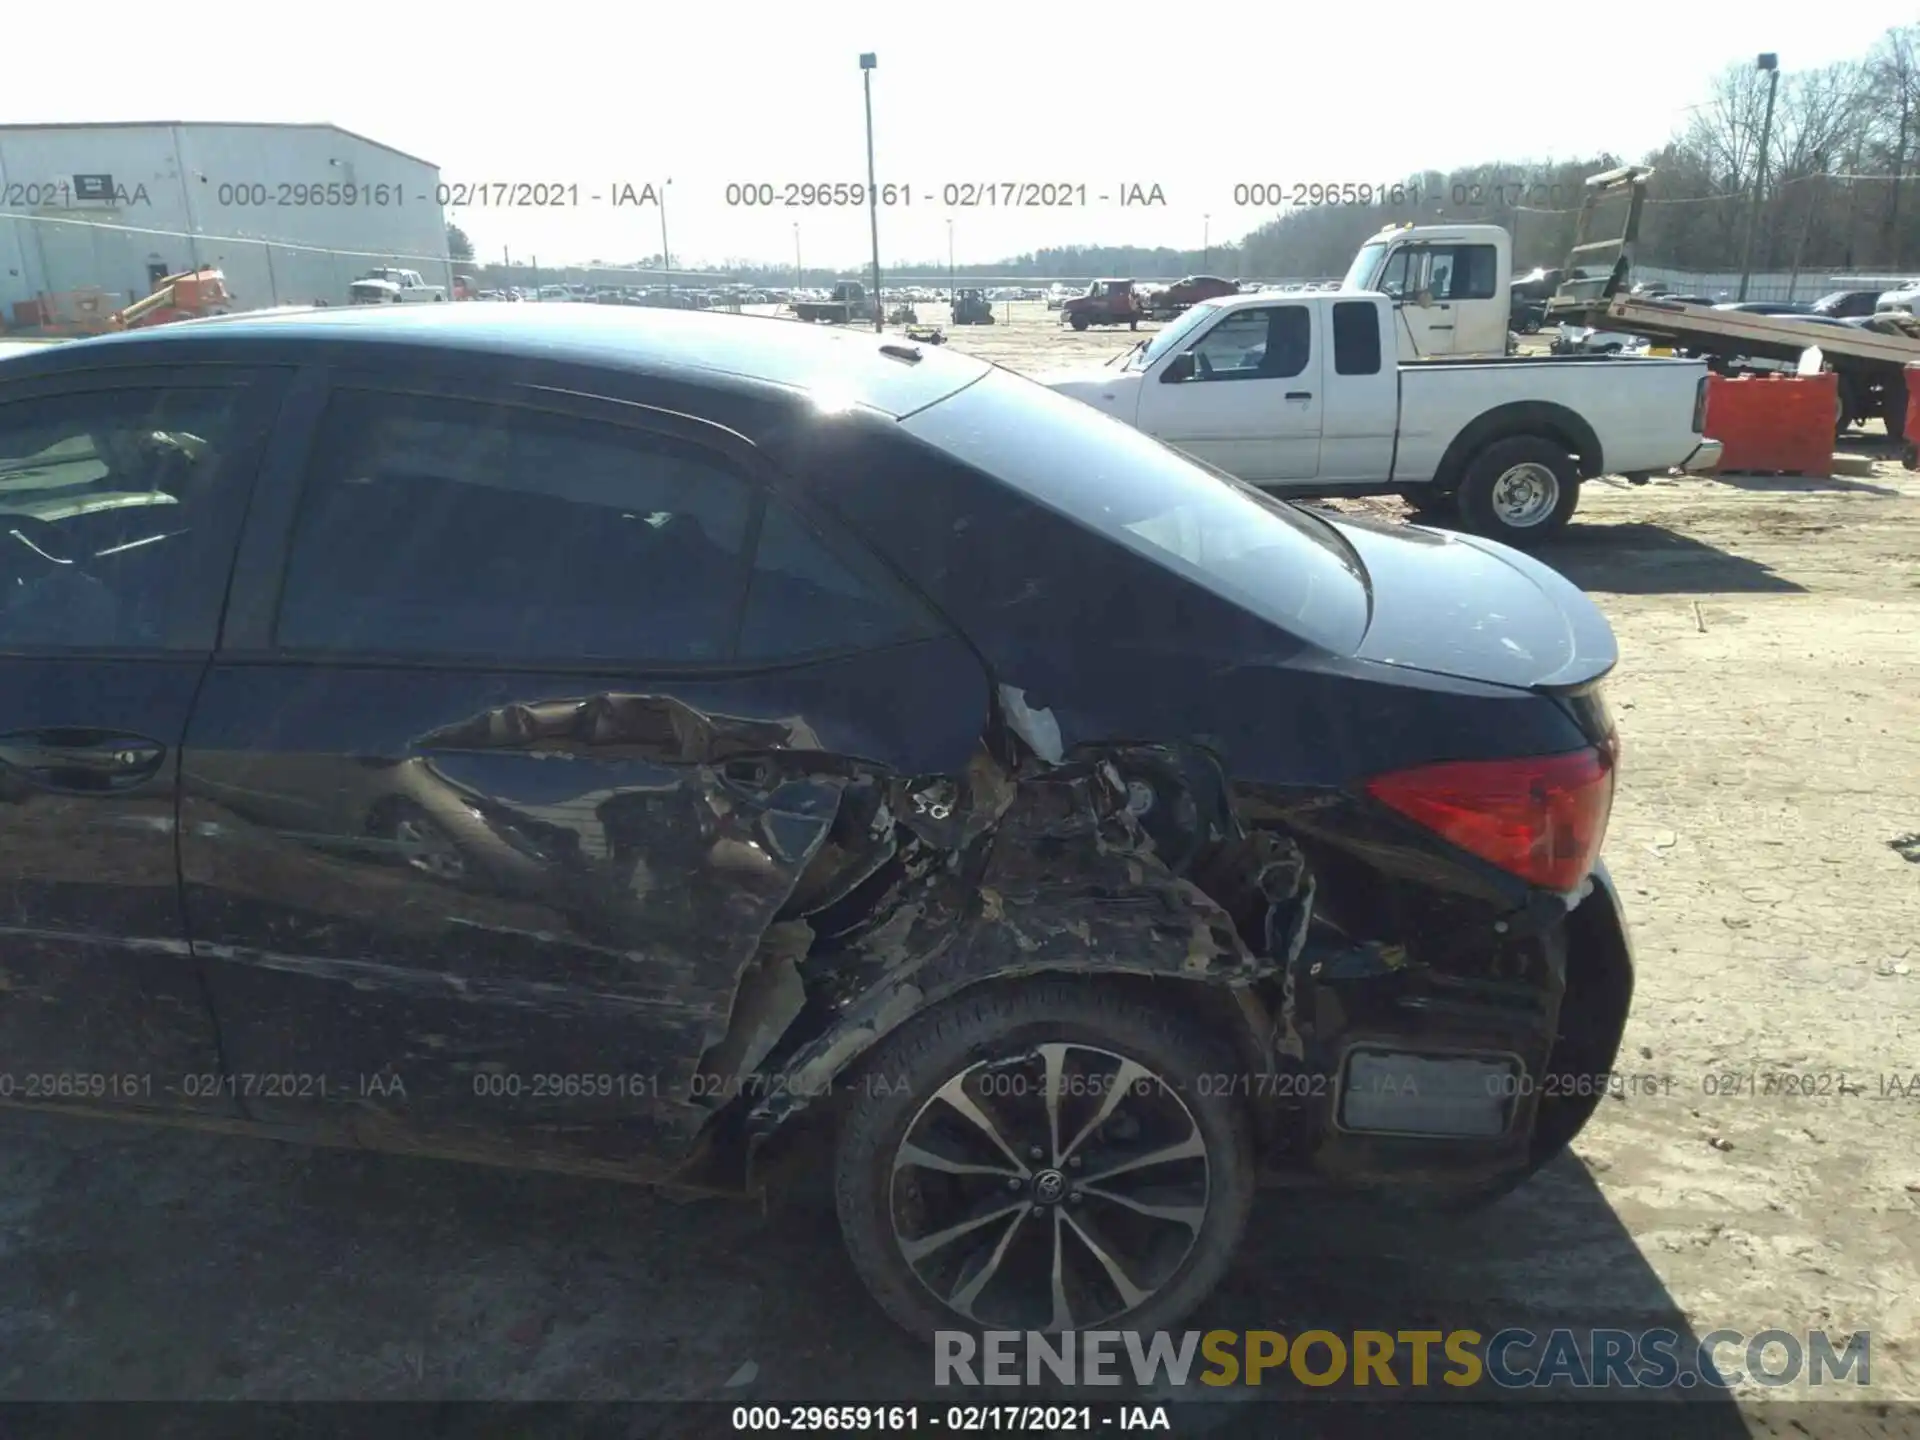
(1365, 271)
(1171, 338)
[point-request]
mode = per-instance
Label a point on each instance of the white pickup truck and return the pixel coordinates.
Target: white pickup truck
(1316, 394)
(394, 287)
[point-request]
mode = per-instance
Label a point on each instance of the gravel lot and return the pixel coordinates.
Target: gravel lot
(1767, 838)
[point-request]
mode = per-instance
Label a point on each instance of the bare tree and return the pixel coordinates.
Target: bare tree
(1893, 72)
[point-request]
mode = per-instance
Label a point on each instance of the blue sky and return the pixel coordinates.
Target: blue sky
(1068, 94)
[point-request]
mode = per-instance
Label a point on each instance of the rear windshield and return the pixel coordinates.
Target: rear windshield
(1270, 558)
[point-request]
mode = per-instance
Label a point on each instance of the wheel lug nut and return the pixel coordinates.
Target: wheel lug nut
(1013, 1182)
(1037, 1153)
(1074, 1197)
(1073, 1163)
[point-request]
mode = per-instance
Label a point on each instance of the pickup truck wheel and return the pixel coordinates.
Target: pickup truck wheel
(1520, 490)
(1079, 322)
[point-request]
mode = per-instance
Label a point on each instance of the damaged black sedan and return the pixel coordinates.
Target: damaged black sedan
(660, 745)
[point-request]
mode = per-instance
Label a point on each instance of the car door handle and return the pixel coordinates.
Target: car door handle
(1299, 394)
(82, 760)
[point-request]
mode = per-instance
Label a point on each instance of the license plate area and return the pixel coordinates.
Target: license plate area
(1427, 1094)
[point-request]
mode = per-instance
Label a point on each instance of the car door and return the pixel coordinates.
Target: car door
(1250, 403)
(498, 785)
(121, 497)
(1411, 276)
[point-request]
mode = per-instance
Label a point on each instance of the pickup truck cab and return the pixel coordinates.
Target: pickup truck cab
(388, 286)
(1300, 394)
(1106, 302)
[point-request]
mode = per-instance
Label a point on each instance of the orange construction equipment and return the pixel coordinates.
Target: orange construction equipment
(75, 313)
(1774, 423)
(177, 297)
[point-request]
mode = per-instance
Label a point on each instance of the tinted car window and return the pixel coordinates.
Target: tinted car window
(101, 495)
(1356, 338)
(452, 528)
(1264, 555)
(806, 599)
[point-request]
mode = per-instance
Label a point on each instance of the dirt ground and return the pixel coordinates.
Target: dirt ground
(1767, 839)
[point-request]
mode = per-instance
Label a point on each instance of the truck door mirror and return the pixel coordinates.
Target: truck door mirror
(1179, 368)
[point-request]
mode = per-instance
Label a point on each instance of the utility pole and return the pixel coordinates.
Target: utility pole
(1770, 63)
(1206, 243)
(799, 274)
(950, 279)
(666, 255)
(867, 63)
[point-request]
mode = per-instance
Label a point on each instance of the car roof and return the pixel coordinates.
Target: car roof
(889, 374)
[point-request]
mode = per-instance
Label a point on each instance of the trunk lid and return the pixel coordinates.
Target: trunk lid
(1473, 608)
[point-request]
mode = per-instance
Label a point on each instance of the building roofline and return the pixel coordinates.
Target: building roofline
(224, 124)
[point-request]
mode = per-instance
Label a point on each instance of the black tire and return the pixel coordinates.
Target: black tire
(1485, 472)
(1079, 322)
(897, 1087)
(1845, 412)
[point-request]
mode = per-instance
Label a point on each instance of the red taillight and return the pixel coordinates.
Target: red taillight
(1541, 817)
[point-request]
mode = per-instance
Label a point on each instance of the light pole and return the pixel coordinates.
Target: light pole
(799, 274)
(867, 63)
(1770, 63)
(1206, 242)
(950, 277)
(666, 255)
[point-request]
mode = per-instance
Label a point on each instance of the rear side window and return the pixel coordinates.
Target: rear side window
(438, 527)
(1356, 338)
(1270, 558)
(112, 529)
(1465, 272)
(806, 598)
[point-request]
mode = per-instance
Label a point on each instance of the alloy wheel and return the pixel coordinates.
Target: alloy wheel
(1049, 1190)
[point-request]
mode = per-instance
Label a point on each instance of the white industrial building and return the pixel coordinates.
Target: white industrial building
(290, 213)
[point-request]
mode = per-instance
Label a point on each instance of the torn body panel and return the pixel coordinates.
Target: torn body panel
(1399, 1031)
(1067, 880)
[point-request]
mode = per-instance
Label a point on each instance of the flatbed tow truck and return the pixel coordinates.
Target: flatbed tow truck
(1870, 355)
